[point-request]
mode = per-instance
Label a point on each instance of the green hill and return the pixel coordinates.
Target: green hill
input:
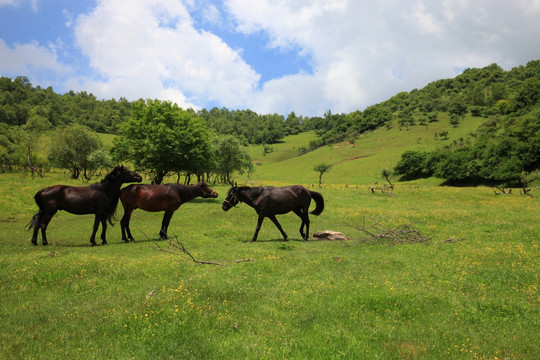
(352, 164)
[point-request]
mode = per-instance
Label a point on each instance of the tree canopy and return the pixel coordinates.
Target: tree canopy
(161, 137)
(73, 148)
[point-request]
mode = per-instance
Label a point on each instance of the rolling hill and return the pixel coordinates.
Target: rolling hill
(352, 164)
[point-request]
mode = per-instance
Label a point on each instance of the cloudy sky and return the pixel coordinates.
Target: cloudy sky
(270, 56)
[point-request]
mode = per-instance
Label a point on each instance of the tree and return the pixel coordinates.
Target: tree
(230, 156)
(322, 168)
(411, 164)
(71, 149)
(161, 137)
(37, 124)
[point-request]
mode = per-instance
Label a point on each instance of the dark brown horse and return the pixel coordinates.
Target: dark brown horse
(270, 201)
(100, 199)
(166, 197)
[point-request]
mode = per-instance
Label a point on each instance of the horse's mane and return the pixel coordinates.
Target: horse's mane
(110, 177)
(254, 192)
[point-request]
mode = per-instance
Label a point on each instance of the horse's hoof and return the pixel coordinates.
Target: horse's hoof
(34, 243)
(104, 243)
(93, 244)
(45, 244)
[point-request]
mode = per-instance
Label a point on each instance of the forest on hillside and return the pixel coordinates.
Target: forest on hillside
(501, 151)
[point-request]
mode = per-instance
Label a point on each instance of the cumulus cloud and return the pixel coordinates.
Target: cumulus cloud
(364, 52)
(30, 59)
(360, 52)
(151, 49)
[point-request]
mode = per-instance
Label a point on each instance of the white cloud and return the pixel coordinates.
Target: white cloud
(33, 3)
(8, 2)
(151, 49)
(364, 52)
(31, 59)
(361, 52)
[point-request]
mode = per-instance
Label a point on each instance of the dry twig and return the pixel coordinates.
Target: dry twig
(177, 248)
(501, 191)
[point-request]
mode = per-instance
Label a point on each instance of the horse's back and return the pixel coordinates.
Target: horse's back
(73, 199)
(149, 197)
(281, 200)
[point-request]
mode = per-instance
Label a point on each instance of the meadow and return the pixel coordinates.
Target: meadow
(472, 293)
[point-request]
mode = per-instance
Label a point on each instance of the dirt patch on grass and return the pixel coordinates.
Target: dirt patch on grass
(358, 157)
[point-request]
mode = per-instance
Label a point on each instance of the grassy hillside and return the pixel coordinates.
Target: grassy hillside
(471, 294)
(358, 163)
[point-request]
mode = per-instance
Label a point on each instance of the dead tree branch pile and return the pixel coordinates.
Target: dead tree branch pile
(379, 233)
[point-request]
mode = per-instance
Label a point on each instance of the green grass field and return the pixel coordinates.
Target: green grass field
(471, 294)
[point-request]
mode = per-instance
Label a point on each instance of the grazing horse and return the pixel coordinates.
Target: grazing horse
(154, 198)
(270, 201)
(100, 199)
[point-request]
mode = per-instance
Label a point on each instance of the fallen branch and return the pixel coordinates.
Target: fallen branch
(385, 189)
(380, 233)
(177, 248)
(453, 239)
(501, 191)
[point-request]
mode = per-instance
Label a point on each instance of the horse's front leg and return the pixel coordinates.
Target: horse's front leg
(94, 231)
(104, 231)
(257, 228)
(124, 225)
(165, 224)
(278, 225)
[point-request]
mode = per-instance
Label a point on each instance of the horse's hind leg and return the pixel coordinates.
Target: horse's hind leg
(43, 223)
(303, 215)
(94, 231)
(35, 224)
(278, 225)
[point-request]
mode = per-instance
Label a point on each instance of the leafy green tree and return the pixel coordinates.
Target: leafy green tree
(322, 168)
(161, 137)
(71, 148)
(411, 165)
(457, 106)
(229, 157)
(36, 125)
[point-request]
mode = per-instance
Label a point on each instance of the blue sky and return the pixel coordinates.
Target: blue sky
(271, 56)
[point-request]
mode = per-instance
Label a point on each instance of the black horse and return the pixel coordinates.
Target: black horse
(270, 201)
(100, 199)
(166, 197)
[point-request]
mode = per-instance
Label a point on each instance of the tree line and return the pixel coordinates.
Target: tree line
(500, 151)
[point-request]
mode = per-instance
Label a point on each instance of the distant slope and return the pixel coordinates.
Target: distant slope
(353, 164)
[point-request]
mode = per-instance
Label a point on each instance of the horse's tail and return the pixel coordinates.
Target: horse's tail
(111, 211)
(37, 216)
(319, 201)
(35, 221)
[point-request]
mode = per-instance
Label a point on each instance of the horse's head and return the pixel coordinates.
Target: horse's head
(231, 200)
(126, 175)
(207, 191)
